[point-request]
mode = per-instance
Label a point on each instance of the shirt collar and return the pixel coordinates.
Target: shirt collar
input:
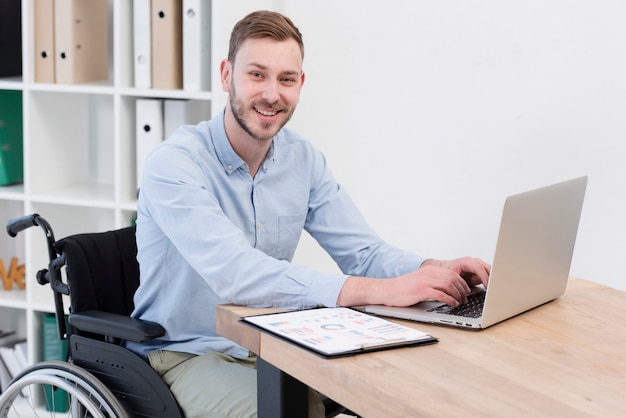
(225, 153)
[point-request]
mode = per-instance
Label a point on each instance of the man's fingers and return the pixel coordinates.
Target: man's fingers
(443, 297)
(453, 286)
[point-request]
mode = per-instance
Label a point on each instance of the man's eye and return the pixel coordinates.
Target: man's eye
(255, 74)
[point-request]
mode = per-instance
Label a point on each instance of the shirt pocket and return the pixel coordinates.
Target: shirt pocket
(289, 231)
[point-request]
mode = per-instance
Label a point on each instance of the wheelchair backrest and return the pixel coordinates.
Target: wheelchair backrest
(101, 270)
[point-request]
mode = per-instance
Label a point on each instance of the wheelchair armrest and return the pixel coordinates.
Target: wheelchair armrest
(116, 325)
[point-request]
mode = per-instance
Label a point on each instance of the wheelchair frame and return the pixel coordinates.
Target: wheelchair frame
(101, 378)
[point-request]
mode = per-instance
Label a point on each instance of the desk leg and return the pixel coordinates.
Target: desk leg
(279, 394)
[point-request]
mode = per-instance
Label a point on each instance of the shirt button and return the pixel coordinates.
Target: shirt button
(259, 225)
(230, 167)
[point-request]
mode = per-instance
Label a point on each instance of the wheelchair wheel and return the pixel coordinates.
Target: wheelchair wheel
(55, 388)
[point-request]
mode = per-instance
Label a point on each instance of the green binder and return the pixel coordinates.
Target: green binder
(11, 132)
(57, 400)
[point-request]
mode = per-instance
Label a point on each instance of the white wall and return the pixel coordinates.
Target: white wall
(431, 113)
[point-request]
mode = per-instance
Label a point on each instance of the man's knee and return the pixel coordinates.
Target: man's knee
(215, 384)
(209, 385)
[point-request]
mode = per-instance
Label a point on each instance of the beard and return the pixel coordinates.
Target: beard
(267, 130)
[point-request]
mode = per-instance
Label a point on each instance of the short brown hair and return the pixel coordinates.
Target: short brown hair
(263, 24)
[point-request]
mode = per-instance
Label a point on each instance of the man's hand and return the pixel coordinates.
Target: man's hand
(446, 281)
(473, 270)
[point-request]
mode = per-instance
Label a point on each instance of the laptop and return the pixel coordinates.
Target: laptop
(530, 266)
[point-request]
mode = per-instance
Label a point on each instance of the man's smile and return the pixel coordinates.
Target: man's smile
(266, 112)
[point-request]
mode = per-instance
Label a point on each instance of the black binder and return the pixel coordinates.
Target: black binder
(11, 38)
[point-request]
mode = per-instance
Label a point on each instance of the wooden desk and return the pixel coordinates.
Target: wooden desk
(565, 358)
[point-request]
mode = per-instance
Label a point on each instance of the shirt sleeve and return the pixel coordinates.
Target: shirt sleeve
(340, 228)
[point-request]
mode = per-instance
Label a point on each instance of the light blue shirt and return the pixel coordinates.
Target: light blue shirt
(209, 233)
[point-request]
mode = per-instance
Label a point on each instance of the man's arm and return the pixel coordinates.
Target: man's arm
(445, 281)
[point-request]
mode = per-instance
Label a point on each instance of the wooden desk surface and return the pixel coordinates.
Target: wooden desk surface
(565, 358)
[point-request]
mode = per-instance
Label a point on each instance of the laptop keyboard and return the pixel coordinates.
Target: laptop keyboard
(472, 309)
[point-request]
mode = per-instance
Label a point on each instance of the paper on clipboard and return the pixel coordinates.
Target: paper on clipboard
(339, 331)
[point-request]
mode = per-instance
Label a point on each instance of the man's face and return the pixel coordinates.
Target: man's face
(264, 84)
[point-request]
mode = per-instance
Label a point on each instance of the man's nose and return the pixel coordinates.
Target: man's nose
(271, 91)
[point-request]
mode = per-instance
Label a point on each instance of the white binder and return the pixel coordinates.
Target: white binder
(183, 112)
(196, 45)
(149, 130)
(142, 44)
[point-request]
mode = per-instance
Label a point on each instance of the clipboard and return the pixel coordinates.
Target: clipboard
(336, 332)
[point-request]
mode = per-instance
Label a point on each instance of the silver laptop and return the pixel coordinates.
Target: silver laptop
(531, 263)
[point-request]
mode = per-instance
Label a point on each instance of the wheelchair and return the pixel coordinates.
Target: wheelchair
(100, 378)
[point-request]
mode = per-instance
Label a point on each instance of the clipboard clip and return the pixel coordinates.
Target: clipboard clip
(391, 342)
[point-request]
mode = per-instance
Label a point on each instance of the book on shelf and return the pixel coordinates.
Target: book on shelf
(6, 337)
(5, 377)
(21, 351)
(54, 349)
(11, 38)
(12, 358)
(11, 137)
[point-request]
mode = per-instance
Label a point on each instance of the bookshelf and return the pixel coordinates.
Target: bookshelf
(79, 158)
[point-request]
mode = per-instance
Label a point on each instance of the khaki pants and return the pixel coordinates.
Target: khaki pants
(215, 385)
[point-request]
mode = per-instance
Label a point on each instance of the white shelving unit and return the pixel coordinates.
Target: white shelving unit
(79, 162)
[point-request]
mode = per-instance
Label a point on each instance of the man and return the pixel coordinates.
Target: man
(220, 212)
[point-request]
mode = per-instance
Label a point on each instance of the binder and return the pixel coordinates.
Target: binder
(81, 40)
(149, 130)
(179, 112)
(5, 377)
(6, 338)
(142, 44)
(11, 137)
(44, 41)
(54, 349)
(8, 356)
(21, 352)
(196, 45)
(336, 332)
(167, 44)
(11, 38)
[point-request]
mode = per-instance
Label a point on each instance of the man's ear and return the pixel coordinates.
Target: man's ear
(302, 79)
(226, 70)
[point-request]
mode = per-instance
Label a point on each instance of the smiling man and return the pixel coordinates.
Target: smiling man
(219, 215)
(263, 80)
